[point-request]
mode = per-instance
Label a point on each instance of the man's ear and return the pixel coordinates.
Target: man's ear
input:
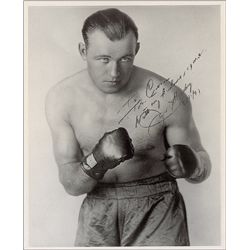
(137, 47)
(82, 50)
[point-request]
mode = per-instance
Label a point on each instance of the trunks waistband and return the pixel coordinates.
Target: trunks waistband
(135, 189)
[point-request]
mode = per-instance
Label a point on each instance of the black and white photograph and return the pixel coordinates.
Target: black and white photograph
(124, 124)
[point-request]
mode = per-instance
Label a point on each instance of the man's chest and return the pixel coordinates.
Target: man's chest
(92, 121)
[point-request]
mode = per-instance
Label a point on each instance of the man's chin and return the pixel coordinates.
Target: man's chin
(110, 89)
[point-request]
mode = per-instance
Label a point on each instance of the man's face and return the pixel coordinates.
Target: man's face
(110, 63)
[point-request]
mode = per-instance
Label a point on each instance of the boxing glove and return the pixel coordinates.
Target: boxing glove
(112, 149)
(181, 161)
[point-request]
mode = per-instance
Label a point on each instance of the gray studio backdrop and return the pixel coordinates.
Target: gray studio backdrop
(171, 38)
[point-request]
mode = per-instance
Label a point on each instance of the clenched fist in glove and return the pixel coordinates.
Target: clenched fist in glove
(181, 161)
(112, 149)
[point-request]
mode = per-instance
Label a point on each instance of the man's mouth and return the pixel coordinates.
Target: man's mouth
(113, 82)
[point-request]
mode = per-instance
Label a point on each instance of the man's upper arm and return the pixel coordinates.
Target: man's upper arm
(181, 128)
(65, 145)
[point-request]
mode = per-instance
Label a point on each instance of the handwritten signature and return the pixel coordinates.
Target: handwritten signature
(150, 111)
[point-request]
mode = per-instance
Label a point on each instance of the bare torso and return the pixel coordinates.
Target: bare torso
(141, 111)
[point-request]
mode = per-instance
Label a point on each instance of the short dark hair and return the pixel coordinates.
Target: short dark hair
(113, 22)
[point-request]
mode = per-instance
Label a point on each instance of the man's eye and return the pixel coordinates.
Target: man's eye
(126, 59)
(104, 60)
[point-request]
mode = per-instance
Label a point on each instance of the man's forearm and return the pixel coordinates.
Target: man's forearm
(203, 169)
(74, 179)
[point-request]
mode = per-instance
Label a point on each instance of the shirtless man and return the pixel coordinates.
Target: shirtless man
(123, 135)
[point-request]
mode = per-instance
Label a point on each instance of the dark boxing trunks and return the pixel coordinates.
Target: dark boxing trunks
(147, 212)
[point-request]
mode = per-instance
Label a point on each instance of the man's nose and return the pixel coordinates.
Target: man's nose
(114, 70)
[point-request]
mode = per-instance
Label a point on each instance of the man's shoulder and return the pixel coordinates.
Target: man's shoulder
(61, 96)
(145, 75)
(68, 83)
(65, 89)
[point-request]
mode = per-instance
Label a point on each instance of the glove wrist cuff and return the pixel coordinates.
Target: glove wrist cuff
(92, 168)
(91, 161)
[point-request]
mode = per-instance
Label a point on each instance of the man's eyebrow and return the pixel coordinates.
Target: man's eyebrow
(102, 56)
(107, 56)
(127, 55)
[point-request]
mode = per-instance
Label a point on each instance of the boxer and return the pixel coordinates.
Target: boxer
(115, 141)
